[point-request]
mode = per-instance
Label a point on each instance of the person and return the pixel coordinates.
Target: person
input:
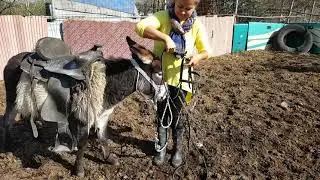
(179, 36)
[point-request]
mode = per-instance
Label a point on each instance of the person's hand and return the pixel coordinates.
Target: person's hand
(170, 45)
(194, 60)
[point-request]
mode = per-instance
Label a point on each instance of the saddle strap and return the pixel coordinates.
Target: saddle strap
(33, 125)
(29, 66)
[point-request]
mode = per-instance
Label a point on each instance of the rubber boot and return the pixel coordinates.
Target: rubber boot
(177, 147)
(159, 158)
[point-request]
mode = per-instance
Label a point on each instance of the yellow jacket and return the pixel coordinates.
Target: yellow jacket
(196, 42)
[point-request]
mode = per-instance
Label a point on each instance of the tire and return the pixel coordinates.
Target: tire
(282, 35)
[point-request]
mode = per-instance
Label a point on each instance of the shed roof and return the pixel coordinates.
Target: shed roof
(127, 6)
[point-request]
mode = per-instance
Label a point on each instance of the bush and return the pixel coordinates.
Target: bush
(24, 9)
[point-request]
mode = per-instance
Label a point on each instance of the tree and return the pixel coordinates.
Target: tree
(6, 4)
(146, 7)
(24, 8)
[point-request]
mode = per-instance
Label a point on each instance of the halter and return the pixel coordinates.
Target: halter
(159, 89)
(148, 78)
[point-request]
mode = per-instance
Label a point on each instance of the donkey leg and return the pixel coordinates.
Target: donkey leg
(11, 112)
(7, 123)
(101, 125)
(108, 157)
(82, 141)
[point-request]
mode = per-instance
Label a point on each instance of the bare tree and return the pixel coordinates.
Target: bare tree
(146, 7)
(6, 4)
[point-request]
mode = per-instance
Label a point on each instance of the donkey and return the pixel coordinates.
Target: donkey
(92, 93)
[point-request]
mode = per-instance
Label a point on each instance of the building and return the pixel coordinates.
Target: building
(98, 10)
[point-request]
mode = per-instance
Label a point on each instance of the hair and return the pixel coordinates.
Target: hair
(196, 2)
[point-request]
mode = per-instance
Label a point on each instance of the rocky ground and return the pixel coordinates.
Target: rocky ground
(256, 115)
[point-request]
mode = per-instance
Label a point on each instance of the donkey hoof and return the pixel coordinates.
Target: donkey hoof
(112, 159)
(3, 138)
(61, 148)
(80, 171)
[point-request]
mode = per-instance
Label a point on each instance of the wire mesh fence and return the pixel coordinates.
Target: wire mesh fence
(299, 11)
(244, 10)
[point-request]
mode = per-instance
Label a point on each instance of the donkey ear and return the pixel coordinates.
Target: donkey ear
(139, 52)
(130, 41)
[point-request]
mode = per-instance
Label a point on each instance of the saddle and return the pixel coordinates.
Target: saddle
(53, 63)
(54, 56)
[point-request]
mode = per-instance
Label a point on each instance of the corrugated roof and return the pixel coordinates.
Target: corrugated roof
(82, 35)
(127, 6)
(19, 34)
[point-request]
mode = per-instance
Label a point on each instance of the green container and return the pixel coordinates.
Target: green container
(260, 34)
(240, 34)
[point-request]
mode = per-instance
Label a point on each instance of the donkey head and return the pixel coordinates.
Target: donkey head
(151, 65)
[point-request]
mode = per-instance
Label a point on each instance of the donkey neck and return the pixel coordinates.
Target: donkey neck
(121, 80)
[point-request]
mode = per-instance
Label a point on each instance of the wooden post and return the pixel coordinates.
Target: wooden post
(27, 8)
(314, 4)
(236, 10)
(292, 2)
(281, 9)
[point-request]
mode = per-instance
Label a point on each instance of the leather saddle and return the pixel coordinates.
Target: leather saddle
(54, 56)
(53, 63)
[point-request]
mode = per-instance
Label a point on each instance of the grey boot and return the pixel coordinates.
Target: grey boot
(177, 147)
(159, 158)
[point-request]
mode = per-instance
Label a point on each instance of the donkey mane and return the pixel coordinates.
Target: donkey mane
(112, 81)
(117, 65)
(121, 80)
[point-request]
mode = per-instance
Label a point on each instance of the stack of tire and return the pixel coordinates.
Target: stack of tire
(293, 33)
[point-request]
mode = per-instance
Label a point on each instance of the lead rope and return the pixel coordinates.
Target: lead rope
(158, 147)
(186, 111)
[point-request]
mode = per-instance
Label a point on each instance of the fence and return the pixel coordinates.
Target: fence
(18, 34)
(21, 34)
(299, 11)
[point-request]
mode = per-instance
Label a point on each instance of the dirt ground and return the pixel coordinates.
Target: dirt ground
(256, 115)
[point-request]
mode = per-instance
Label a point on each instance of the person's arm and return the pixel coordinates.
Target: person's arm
(148, 28)
(152, 33)
(202, 46)
(198, 57)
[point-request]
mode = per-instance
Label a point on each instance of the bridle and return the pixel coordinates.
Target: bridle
(159, 90)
